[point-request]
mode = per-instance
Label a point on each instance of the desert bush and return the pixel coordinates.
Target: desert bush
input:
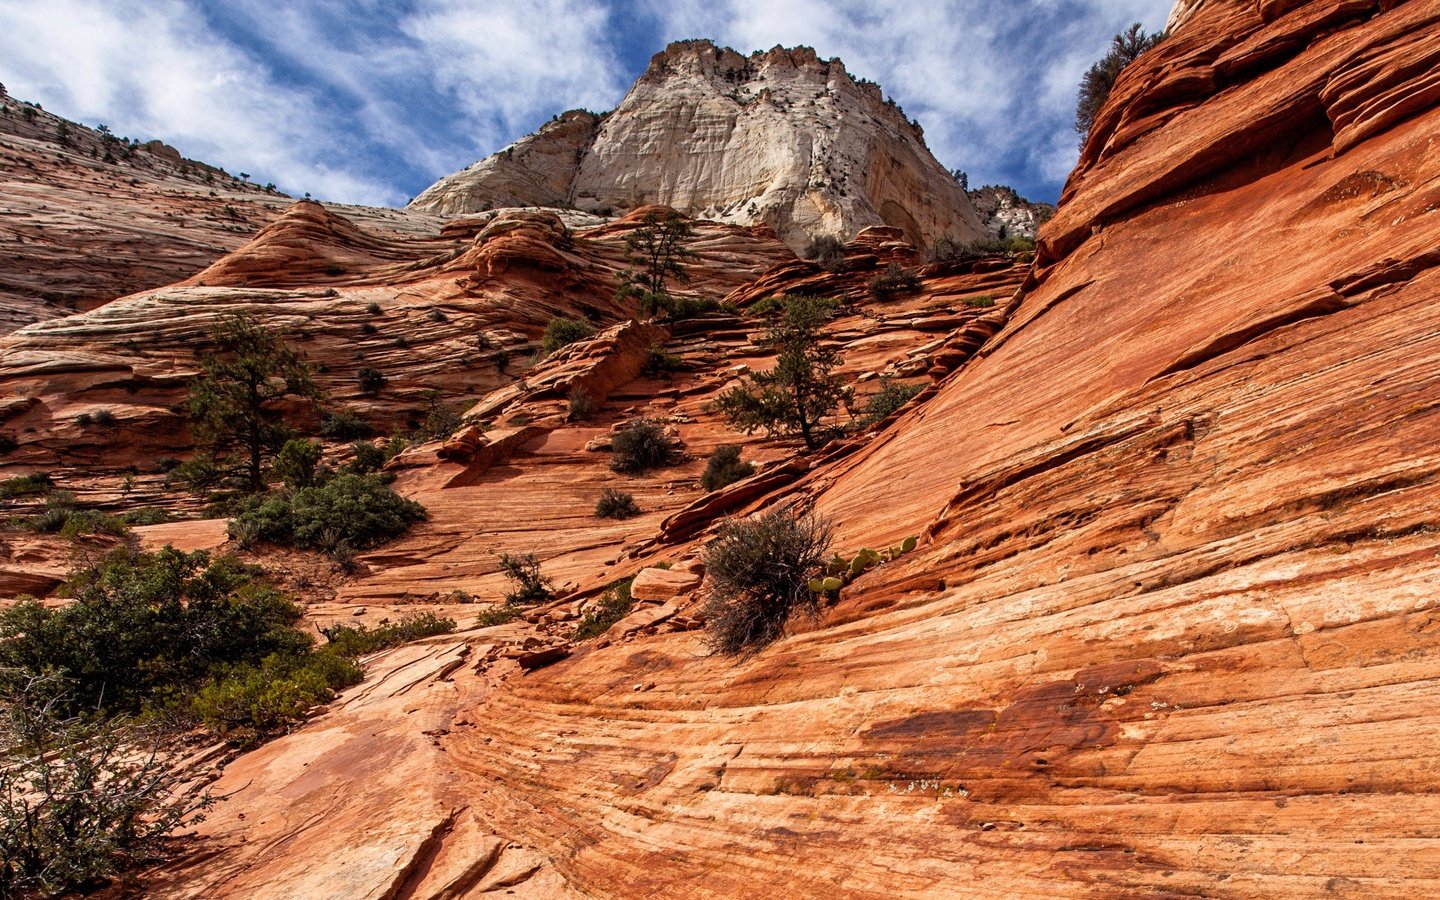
(827, 251)
(372, 308)
(440, 420)
(371, 380)
(145, 515)
(104, 418)
(660, 361)
(8, 445)
(344, 425)
(295, 465)
(612, 607)
(249, 701)
(770, 306)
(893, 281)
(26, 485)
(84, 420)
(523, 570)
(890, 397)
(641, 445)
(360, 510)
(367, 458)
(759, 570)
(982, 302)
(562, 331)
(615, 504)
(145, 629)
(81, 800)
(579, 405)
(351, 640)
(498, 615)
(725, 467)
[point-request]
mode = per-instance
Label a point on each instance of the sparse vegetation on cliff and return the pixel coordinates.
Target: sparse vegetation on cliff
(615, 504)
(725, 467)
(1099, 79)
(523, 570)
(641, 445)
(562, 331)
(349, 510)
(759, 570)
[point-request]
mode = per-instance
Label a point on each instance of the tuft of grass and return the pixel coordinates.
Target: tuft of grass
(613, 606)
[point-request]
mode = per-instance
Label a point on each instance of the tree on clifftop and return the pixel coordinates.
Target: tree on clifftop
(1095, 85)
(233, 402)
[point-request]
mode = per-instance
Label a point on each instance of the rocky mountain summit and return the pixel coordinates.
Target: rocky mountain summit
(782, 138)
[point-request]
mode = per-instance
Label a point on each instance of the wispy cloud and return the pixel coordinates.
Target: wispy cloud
(370, 100)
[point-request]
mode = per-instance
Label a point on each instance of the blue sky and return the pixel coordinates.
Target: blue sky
(369, 101)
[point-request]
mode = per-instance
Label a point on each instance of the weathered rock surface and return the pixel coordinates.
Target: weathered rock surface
(88, 218)
(1007, 214)
(1171, 626)
(780, 137)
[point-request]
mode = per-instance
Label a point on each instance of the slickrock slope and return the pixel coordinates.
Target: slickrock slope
(461, 306)
(780, 137)
(86, 218)
(1171, 629)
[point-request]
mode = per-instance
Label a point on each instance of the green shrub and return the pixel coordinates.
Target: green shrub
(371, 380)
(759, 570)
(84, 420)
(983, 302)
(441, 419)
(344, 425)
(615, 504)
(8, 445)
(26, 485)
(351, 640)
(725, 467)
(296, 463)
(166, 464)
(613, 606)
(523, 570)
(827, 251)
(579, 405)
(498, 615)
(562, 331)
(145, 515)
(372, 308)
(770, 306)
(360, 510)
(367, 458)
(885, 401)
(146, 629)
(661, 360)
(82, 800)
(893, 281)
(368, 328)
(105, 418)
(641, 445)
(250, 702)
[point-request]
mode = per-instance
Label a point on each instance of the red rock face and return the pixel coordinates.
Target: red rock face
(88, 218)
(1170, 629)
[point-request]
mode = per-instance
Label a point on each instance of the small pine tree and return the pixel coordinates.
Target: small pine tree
(658, 248)
(233, 404)
(802, 389)
(1097, 82)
